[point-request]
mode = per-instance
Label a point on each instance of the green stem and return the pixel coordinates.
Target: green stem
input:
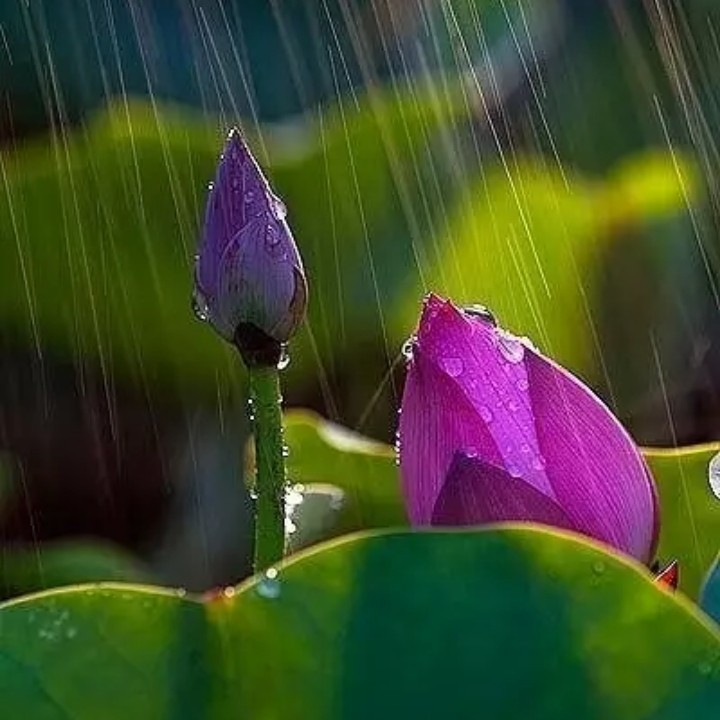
(270, 466)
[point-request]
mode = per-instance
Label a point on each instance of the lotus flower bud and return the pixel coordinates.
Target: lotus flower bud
(249, 279)
(493, 431)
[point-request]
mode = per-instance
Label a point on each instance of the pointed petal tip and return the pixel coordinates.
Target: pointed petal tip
(234, 136)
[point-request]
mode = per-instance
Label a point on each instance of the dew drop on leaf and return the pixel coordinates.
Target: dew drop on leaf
(714, 475)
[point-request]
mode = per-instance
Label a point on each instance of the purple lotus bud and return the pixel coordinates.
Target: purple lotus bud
(493, 431)
(249, 279)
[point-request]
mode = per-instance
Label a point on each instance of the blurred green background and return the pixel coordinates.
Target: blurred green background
(553, 160)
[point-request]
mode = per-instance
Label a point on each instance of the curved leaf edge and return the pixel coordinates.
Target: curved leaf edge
(602, 553)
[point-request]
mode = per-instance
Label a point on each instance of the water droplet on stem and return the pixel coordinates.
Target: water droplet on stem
(284, 360)
(269, 585)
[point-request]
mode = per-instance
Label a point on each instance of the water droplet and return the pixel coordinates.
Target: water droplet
(705, 668)
(249, 196)
(284, 360)
(481, 312)
(714, 475)
(337, 500)
(522, 384)
(274, 244)
(512, 406)
(408, 348)
(294, 495)
(181, 592)
(269, 585)
(525, 448)
(199, 306)
(510, 347)
(453, 366)
(210, 186)
(279, 209)
(229, 592)
(539, 462)
(598, 567)
(486, 414)
(70, 633)
(514, 471)
(253, 494)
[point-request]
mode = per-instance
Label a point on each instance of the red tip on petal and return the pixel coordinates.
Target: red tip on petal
(669, 576)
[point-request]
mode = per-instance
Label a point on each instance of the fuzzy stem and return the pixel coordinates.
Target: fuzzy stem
(270, 466)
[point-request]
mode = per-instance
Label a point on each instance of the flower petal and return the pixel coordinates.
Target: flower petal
(436, 421)
(249, 269)
(477, 493)
(537, 421)
(252, 287)
(486, 364)
(239, 193)
(596, 470)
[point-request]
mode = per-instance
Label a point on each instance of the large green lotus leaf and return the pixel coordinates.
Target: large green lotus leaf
(710, 595)
(365, 470)
(689, 512)
(492, 624)
(25, 569)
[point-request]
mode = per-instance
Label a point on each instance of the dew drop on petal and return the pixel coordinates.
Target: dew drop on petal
(598, 567)
(510, 347)
(486, 413)
(714, 475)
(408, 348)
(199, 306)
(269, 585)
(453, 366)
(279, 209)
(539, 463)
(522, 384)
(481, 312)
